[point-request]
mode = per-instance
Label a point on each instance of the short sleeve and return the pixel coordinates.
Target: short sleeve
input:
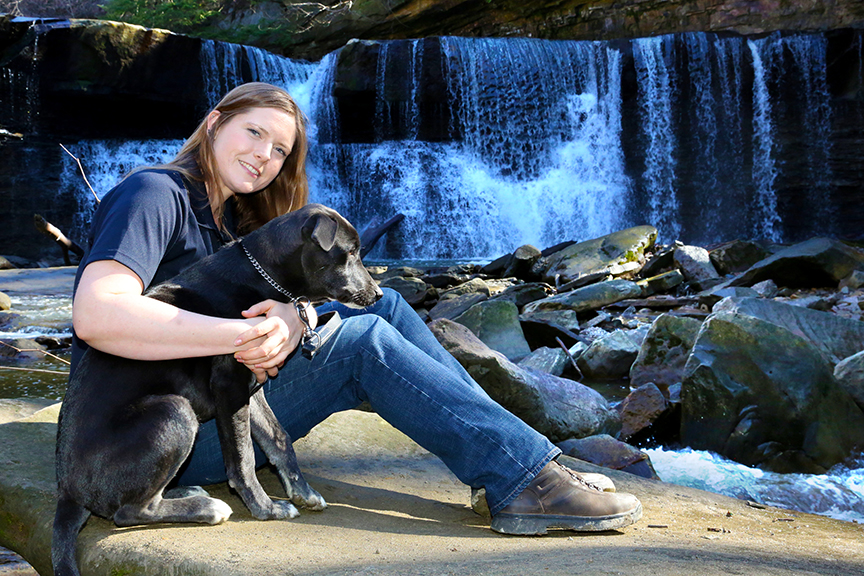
(146, 224)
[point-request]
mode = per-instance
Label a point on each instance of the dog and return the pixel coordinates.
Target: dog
(127, 426)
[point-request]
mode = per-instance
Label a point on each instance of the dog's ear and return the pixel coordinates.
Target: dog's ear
(321, 229)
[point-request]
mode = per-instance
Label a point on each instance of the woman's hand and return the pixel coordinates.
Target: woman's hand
(273, 338)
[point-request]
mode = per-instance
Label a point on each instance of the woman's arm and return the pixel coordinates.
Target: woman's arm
(111, 314)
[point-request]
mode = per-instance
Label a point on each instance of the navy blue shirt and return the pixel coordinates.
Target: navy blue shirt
(157, 223)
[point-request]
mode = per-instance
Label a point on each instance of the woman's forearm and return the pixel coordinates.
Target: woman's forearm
(141, 328)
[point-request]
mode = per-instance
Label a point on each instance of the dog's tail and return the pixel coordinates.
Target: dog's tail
(68, 521)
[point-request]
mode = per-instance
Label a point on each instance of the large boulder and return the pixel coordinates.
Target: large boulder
(835, 336)
(556, 407)
(640, 409)
(588, 298)
(818, 262)
(764, 396)
(664, 351)
(737, 256)
(496, 323)
(599, 254)
(413, 290)
(450, 308)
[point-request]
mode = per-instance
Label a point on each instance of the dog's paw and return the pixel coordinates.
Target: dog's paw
(312, 502)
(282, 510)
(217, 512)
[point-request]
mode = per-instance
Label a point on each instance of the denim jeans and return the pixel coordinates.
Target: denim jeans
(386, 355)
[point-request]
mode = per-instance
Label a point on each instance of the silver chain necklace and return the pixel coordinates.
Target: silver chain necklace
(266, 276)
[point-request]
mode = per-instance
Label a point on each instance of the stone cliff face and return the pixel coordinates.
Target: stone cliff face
(303, 30)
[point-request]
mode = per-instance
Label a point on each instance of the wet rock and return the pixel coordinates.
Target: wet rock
(413, 290)
(835, 336)
(609, 357)
(606, 451)
(21, 350)
(556, 407)
(694, 263)
(599, 254)
(452, 307)
(850, 376)
(661, 261)
(819, 262)
(382, 273)
(588, 298)
(5, 302)
(663, 355)
(5, 264)
(737, 256)
(764, 396)
(496, 324)
(640, 409)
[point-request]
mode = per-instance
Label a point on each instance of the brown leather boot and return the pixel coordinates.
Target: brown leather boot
(559, 498)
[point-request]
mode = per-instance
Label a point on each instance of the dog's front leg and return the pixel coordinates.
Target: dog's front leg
(276, 444)
(230, 385)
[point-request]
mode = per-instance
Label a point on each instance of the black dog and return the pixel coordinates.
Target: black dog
(126, 426)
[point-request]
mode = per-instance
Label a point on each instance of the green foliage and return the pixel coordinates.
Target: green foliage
(175, 15)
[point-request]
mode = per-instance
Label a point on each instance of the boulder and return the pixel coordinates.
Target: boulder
(588, 298)
(661, 282)
(712, 296)
(5, 301)
(765, 289)
(496, 324)
(599, 254)
(835, 336)
(473, 286)
(694, 263)
(763, 396)
(854, 281)
(556, 407)
(609, 357)
(606, 451)
(547, 327)
(850, 375)
(640, 409)
(522, 262)
(413, 290)
(736, 256)
(522, 294)
(819, 262)
(452, 307)
(663, 355)
(550, 360)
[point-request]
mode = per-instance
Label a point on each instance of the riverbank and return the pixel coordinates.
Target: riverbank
(395, 510)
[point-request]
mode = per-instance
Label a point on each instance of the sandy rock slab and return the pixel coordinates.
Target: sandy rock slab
(396, 510)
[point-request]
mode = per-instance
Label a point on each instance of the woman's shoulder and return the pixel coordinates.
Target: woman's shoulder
(150, 186)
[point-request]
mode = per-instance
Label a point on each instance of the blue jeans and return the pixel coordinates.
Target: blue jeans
(384, 354)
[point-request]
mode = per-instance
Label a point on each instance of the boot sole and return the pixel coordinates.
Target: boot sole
(538, 524)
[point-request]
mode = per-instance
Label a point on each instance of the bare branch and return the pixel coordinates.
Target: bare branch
(80, 167)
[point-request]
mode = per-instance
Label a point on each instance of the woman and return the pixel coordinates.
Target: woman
(243, 165)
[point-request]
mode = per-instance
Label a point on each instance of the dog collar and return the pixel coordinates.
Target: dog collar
(265, 275)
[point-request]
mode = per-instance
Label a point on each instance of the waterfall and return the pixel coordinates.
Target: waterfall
(653, 59)
(764, 172)
(543, 148)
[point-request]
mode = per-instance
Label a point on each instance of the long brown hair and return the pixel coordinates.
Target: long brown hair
(288, 191)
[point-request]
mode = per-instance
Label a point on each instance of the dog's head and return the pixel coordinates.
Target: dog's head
(330, 259)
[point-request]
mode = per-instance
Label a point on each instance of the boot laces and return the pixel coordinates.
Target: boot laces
(579, 478)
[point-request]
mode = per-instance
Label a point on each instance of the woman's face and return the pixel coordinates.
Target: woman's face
(250, 149)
